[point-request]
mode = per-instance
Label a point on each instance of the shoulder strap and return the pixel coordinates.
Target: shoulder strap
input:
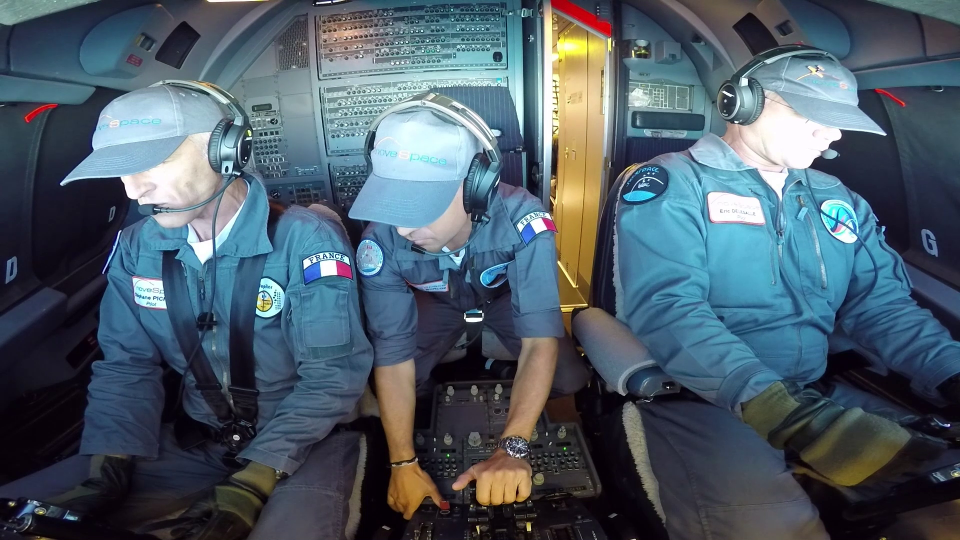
(243, 387)
(185, 324)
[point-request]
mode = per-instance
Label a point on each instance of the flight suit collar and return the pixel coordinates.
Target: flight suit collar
(247, 239)
(714, 152)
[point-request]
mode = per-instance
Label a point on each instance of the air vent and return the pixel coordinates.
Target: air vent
(292, 52)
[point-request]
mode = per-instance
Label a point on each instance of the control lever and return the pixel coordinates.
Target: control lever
(28, 517)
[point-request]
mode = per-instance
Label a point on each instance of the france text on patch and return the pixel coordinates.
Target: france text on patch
(730, 208)
(326, 264)
(533, 224)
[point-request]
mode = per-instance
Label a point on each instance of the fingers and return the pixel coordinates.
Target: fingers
(392, 503)
(523, 491)
(464, 479)
(484, 489)
(410, 509)
(438, 499)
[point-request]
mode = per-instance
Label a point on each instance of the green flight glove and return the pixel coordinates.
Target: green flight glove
(103, 491)
(847, 446)
(232, 507)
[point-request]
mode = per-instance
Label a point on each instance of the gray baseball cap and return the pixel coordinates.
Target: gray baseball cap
(821, 90)
(140, 129)
(419, 161)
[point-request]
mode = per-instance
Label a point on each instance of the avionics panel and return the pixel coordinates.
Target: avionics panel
(445, 36)
(310, 106)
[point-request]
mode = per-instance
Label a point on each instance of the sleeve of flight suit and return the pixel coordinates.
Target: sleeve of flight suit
(125, 396)
(884, 317)
(332, 354)
(535, 294)
(662, 286)
(389, 305)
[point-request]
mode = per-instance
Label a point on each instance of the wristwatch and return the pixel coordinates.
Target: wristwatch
(515, 446)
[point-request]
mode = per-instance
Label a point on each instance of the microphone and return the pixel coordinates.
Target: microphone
(829, 153)
(152, 209)
(417, 249)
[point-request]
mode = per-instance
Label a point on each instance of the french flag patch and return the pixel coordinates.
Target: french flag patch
(326, 264)
(533, 224)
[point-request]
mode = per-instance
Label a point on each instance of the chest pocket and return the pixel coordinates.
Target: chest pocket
(425, 276)
(742, 256)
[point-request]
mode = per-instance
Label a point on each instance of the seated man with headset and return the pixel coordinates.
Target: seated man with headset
(735, 262)
(447, 238)
(263, 323)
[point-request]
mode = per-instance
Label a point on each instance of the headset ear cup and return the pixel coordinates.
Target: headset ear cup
(756, 89)
(470, 185)
(216, 141)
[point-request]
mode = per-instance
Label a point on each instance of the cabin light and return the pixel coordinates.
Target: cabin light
(554, 57)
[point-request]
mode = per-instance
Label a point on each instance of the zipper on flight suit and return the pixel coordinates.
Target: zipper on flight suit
(773, 258)
(816, 241)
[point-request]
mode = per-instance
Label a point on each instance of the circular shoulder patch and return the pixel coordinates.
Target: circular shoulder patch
(842, 222)
(269, 299)
(645, 184)
(369, 258)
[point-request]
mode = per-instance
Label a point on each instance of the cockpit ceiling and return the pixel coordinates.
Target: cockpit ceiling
(17, 11)
(946, 10)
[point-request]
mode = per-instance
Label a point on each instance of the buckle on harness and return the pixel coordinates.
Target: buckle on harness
(236, 433)
(473, 316)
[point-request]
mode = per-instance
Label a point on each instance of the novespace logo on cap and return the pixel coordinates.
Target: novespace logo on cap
(407, 155)
(109, 122)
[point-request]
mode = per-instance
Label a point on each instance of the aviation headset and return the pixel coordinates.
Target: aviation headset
(483, 176)
(740, 99)
(231, 140)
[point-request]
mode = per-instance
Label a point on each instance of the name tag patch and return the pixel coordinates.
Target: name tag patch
(533, 224)
(148, 293)
(842, 223)
(326, 264)
(730, 208)
(431, 286)
(269, 299)
(494, 276)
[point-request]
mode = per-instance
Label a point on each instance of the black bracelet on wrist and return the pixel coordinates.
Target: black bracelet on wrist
(411, 461)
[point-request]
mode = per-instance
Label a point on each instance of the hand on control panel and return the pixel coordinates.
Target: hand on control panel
(409, 486)
(500, 480)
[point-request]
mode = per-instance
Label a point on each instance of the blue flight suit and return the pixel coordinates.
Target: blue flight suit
(312, 364)
(414, 303)
(732, 287)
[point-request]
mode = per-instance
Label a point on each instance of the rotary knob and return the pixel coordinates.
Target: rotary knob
(447, 439)
(419, 439)
(474, 439)
(534, 436)
(474, 390)
(538, 479)
(562, 432)
(498, 389)
(450, 391)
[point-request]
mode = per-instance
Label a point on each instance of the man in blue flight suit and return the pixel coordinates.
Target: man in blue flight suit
(734, 264)
(257, 446)
(447, 238)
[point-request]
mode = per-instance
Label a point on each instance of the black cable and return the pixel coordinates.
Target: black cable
(213, 296)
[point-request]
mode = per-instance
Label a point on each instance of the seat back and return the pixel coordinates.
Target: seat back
(619, 357)
(496, 107)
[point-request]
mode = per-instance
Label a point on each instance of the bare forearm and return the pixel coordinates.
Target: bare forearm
(397, 394)
(531, 386)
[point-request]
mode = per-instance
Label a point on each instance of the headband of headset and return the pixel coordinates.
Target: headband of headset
(740, 98)
(484, 172)
(231, 140)
(774, 55)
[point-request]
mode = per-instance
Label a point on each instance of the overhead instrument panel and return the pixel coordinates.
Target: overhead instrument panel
(349, 110)
(396, 39)
(312, 94)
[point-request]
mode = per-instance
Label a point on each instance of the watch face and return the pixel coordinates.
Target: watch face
(516, 447)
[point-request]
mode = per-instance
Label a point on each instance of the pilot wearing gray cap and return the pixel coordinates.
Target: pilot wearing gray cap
(734, 264)
(256, 305)
(446, 239)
